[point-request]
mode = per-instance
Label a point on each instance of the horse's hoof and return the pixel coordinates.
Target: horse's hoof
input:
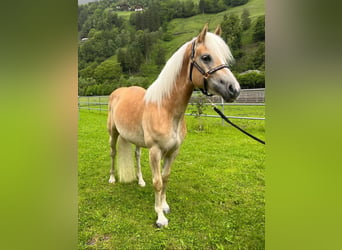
(142, 183)
(161, 225)
(111, 180)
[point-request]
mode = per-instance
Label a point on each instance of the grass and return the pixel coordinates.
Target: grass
(124, 14)
(216, 191)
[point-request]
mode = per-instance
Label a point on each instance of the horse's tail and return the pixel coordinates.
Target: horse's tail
(126, 169)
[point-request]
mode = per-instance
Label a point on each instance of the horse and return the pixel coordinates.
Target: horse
(154, 118)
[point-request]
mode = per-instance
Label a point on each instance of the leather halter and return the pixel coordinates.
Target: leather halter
(205, 74)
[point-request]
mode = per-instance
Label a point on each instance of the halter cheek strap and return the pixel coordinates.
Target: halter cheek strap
(207, 74)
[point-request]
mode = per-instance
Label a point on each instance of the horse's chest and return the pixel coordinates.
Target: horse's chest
(168, 135)
(176, 136)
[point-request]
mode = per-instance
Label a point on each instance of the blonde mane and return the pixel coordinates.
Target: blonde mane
(164, 84)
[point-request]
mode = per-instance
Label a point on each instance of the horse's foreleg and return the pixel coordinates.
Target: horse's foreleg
(155, 158)
(165, 175)
(112, 141)
(141, 181)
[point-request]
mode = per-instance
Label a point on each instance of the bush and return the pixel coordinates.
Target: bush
(250, 80)
(234, 3)
(138, 81)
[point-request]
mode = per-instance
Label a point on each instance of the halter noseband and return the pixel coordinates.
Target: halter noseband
(207, 74)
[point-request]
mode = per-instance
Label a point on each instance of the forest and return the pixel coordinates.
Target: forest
(128, 43)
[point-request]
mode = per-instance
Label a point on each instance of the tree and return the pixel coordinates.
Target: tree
(189, 8)
(149, 19)
(83, 84)
(201, 6)
(259, 29)
(107, 71)
(245, 19)
(231, 31)
(160, 55)
(130, 59)
(99, 46)
(144, 42)
(88, 71)
(259, 57)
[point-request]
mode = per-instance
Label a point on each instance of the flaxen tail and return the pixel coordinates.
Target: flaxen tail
(126, 169)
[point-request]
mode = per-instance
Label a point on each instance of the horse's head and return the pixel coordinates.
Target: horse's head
(211, 56)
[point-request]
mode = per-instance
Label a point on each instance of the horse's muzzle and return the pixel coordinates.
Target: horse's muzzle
(231, 93)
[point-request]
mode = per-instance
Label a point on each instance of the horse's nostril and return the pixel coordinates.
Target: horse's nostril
(231, 89)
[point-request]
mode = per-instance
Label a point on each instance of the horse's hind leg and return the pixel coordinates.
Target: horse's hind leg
(112, 141)
(139, 173)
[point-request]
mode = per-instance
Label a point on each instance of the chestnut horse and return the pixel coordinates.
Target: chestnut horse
(154, 118)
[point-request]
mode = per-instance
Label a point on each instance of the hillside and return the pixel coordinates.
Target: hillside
(137, 44)
(184, 29)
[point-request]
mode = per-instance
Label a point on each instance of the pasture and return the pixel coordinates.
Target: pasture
(216, 190)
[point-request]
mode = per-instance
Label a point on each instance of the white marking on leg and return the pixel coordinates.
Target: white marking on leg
(155, 158)
(141, 181)
(112, 142)
(165, 175)
(111, 179)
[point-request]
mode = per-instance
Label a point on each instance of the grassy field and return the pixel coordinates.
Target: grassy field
(216, 190)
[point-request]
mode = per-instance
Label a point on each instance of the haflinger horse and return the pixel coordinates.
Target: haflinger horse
(154, 118)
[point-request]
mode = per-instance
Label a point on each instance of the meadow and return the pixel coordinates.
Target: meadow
(216, 190)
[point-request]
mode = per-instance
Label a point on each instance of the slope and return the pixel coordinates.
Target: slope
(184, 29)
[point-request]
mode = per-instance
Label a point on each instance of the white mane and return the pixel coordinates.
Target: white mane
(163, 85)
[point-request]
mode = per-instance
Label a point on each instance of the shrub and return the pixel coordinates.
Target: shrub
(138, 81)
(252, 79)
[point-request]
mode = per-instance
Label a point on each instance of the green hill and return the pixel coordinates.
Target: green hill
(184, 29)
(138, 44)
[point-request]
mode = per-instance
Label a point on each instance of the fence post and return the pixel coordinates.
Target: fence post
(100, 103)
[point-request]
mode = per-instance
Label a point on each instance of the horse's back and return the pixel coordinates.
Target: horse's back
(126, 106)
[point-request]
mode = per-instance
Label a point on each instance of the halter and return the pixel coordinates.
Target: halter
(207, 74)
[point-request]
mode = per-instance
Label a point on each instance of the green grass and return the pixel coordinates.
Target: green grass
(124, 14)
(216, 191)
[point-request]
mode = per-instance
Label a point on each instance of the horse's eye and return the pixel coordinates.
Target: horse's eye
(206, 58)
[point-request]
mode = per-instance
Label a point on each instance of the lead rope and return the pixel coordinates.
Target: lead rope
(234, 125)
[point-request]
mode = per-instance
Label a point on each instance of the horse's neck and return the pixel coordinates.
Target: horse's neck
(178, 100)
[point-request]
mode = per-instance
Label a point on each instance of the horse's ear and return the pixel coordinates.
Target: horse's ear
(201, 36)
(218, 30)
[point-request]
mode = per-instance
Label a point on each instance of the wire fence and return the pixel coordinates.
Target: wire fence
(248, 97)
